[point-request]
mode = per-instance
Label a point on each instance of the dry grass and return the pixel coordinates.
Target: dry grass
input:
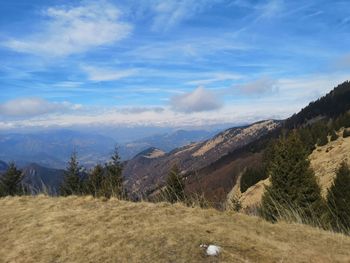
(82, 229)
(326, 160)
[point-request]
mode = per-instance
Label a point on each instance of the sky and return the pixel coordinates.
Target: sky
(167, 63)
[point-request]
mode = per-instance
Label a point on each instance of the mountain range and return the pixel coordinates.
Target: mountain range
(53, 148)
(210, 165)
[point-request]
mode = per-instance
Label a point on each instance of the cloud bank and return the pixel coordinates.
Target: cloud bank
(28, 107)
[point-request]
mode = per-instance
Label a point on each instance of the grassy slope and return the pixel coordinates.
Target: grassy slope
(73, 229)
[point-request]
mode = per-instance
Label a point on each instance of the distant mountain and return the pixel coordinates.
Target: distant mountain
(166, 142)
(53, 148)
(143, 174)
(42, 179)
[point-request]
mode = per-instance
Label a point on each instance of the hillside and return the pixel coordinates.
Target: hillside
(324, 160)
(77, 229)
(218, 178)
(144, 175)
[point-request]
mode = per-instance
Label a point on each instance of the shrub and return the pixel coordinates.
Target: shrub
(175, 187)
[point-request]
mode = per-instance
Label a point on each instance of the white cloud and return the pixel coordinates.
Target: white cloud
(98, 74)
(74, 30)
(26, 107)
(260, 86)
(198, 100)
(293, 95)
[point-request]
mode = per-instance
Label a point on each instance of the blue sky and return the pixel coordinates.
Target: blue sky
(167, 62)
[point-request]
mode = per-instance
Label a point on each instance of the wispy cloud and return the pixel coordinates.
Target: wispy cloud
(27, 107)
(74, 30)
(198, 100)
(102, 74)
(216, 77)
(168, 13)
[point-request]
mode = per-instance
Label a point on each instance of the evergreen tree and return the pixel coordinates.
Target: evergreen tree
(72, 182)
(113, 181)
(346, 133)
(293, 184)
(11, 182)
(95, 181)
(334, 136)
(338, 200)
(307, 138)
(251, 176)
(323, 140)
(175, 187)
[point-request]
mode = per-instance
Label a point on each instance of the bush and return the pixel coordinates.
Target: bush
(175, 187)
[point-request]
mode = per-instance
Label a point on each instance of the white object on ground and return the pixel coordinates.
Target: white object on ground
(213, 250)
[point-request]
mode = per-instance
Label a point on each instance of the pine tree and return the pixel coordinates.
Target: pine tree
(113, 182)
(338, 200)
(175, 187)
(11, 182)
(293, 184)
(323, 140)
(95, 181)
(72, 182)
(346, 133)
(334, 136)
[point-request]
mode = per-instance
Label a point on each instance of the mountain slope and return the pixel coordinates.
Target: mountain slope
(166, 142)
(331, 105)
(42, 179)
(143, 176)
(76, 229)
(324, 160)
(217, 179)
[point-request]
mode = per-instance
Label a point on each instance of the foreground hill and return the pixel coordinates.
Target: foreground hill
(73, 229)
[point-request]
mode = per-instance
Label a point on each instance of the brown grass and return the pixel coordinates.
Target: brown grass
(326, 160)
(83, 229)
